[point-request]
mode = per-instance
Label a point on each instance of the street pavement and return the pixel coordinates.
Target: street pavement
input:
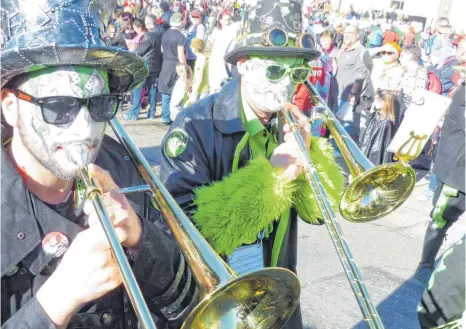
(387, 252)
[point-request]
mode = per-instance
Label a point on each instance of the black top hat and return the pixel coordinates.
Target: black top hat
(273, 28)
(42, 33)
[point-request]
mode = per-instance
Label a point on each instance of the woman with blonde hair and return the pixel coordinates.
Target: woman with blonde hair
(181, 90)
(200, 86)
(381, 128)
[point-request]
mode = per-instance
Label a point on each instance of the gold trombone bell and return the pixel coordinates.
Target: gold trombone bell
(375, 190)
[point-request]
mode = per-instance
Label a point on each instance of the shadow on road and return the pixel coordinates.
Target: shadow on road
(398, 311)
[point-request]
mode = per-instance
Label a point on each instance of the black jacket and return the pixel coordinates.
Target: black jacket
(215, 128)
(150, 48)
(377, 136)
(449, 162)
(119, 40)
(164, 278)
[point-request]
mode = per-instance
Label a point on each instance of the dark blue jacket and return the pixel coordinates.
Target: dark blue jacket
(215, 128)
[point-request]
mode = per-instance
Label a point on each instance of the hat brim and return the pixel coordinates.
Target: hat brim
(126, 69)
(235, 54)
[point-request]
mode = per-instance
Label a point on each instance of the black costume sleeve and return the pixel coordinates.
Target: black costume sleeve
(30, 316)
(163, 275)
(165, 279)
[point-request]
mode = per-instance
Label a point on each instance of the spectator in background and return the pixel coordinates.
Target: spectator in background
(351, 69)
(111, 32)
(200, 84)
(166, 12)
(222, 38)
(390, 35)
(409, 38)
(388, 73)
(415, 75)
(375, 38)
(149, 48)
(439, 47)
(181, 90)
(381, 129)
(351, 13)
(173, 42)
(446, 72)
(338, 40)
(363, 35)
(146, 8)
(125, 34)
(114, 19)
(224, 20)
(195, 30)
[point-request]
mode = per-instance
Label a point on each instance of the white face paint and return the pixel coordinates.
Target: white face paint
(51, 144)
(260, 93)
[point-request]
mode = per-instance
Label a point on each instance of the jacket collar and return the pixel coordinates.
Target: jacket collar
(227, 109)
(25, 220)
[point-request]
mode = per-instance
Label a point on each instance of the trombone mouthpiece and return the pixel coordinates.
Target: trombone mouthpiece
(78, 155)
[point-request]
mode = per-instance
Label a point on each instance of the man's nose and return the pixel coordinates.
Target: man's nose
(82, 124)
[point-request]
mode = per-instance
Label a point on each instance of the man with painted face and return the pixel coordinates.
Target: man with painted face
(223, 159)
(57, 270)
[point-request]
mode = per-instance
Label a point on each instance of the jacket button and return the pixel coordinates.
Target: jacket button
(106, 319)
(21, 235)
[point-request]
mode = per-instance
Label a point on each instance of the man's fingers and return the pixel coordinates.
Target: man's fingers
(103, 178)
(96, 239)
(112, 211)
(289, 138)
(296, 111)
(108, 202)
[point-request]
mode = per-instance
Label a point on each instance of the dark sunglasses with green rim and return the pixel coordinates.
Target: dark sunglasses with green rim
(60, 110)
(277, 72)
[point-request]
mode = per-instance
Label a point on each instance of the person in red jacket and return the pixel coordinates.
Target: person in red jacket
(390, 36)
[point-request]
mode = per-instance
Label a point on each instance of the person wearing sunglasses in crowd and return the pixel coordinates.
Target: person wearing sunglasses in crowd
(386, 74)
(57, 266)
(223, 159)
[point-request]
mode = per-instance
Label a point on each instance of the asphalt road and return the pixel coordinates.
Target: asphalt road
(387, 252)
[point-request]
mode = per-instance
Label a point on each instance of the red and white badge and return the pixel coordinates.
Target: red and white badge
(55, 244)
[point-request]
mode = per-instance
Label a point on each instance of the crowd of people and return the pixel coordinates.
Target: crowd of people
(169, 35)
(223, 70)
(369, 63)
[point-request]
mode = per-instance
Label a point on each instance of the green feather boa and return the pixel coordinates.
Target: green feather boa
(232, 212)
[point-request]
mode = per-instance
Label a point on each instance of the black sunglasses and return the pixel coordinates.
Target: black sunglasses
(60, 110)
(387, 53)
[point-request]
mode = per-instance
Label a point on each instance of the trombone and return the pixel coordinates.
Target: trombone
(374, 192)
(264, 299)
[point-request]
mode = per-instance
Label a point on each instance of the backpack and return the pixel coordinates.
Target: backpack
(434, 83)
(375, 38)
